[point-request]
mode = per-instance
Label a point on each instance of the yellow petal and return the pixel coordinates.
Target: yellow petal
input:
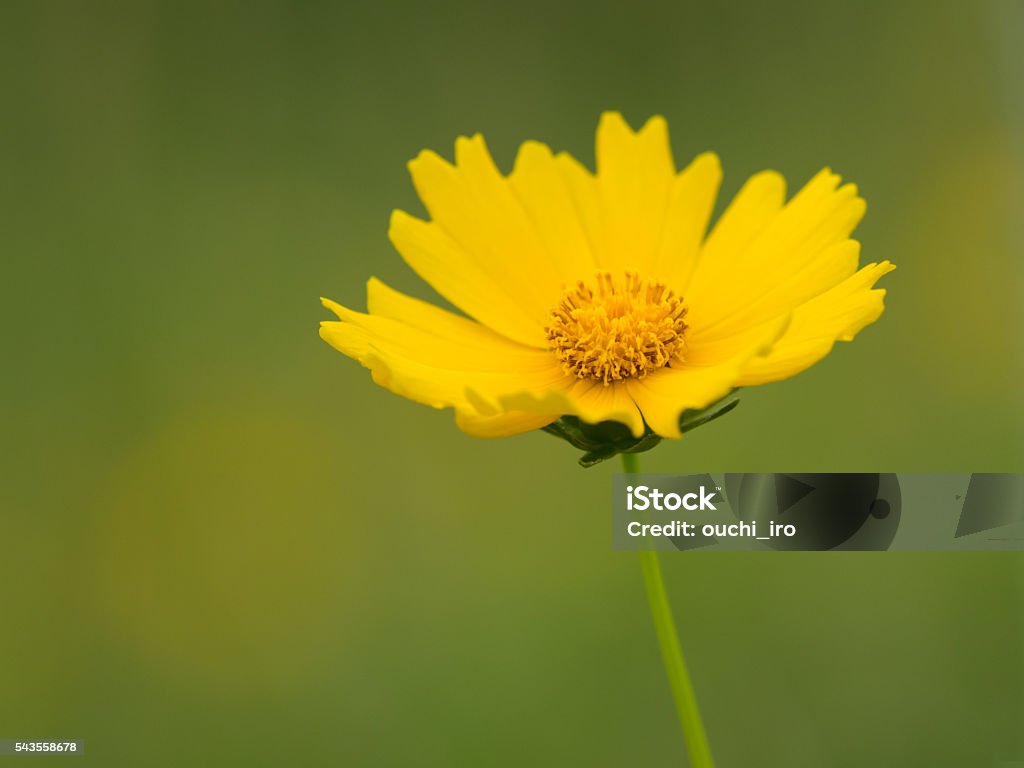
(546, 195)
(594, 402)
(424, 317)
(502, 425)
(591, 401)
(704, 352)
(664, 395)
(836, 315)
(747, 215)
(462, 280)
(784, 292)
(490, 236)
(635, 172)
(776, 259)
(691, 200)
(586, 200)
(432, 356)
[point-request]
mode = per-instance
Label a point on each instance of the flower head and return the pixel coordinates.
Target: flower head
(602, 297)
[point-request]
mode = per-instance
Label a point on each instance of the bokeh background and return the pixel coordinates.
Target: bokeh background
(221, 544)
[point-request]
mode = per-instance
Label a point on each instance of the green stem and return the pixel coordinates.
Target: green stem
(671, 652)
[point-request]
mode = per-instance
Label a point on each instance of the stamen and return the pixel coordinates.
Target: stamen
(624, 329)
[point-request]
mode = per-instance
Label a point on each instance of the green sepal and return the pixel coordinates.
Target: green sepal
(698, 417)
(607, 439)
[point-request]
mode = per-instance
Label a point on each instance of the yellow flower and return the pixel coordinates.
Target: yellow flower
(600, 295)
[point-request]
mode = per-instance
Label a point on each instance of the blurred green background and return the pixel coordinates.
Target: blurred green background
(223, 545)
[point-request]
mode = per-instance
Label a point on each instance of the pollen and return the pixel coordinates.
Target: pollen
(623, 328)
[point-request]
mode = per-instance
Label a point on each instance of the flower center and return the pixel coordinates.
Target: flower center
(624, 328)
